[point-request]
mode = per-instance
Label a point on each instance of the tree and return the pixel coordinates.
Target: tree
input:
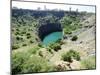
(74, 38)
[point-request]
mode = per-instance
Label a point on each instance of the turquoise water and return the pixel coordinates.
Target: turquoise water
(52, 37)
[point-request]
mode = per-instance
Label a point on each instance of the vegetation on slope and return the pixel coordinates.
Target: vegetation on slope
(89, 63)
(24, 33)
(71, 54)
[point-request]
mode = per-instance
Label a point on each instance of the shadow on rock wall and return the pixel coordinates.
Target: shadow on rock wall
(45, 30)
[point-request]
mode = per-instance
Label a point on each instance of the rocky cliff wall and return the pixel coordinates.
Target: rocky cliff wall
(44, 30)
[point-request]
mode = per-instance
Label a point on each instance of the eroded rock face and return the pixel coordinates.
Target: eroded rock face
(75, 65)
(44, 30)
(62, 65)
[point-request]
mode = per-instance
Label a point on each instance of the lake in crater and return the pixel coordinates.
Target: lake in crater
(52, 37)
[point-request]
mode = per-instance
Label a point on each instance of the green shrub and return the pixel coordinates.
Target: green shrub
(36, 64)
(24, 44)
(29, 36)
(89, 63)
(40, 44)
(34, 50)
(17, 38)
(50, 50)
(17, 61)
(40, 53)
(68, 56)
(23, 63)
(60, 41)
(68, 32)
(74, 38)
(23, 32)
(31, 41)
(55, 46)
(17, 33)
(17, 29)
(15, 46)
